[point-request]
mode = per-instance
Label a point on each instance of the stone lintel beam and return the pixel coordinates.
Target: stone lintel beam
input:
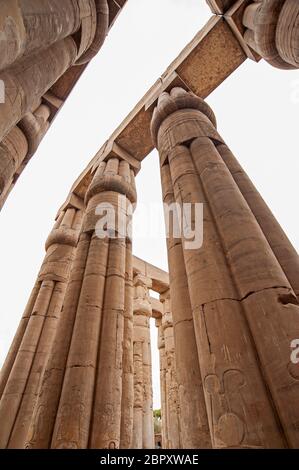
(160, 278)
(157, 308)
(197, 68)
(234, 18)
(219, 7)
(72, 201)
(112, 149)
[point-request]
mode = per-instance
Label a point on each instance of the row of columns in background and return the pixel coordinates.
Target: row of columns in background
(79, 370)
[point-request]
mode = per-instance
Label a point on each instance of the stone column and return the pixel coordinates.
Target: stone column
(143, 431)
(194, 426)
(28, 80)
(33, 26)
(13, 150)
(40, 42)
(80, 400)
(127, 405)
(172, 397)
(19, 145)
(23, 369)
(273, 31)
(244, 310)
(161, 347)
(280, 244)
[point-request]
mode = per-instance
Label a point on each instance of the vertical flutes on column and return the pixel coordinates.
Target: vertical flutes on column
(244, 310)
(24, 366)
(143, 431)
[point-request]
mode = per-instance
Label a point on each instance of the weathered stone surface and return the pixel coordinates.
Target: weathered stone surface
(273, 31)
(194, 428)
(23, 369)
(171, 385)
(44, 49)
(143, 428)
(80, 399)
(237, 289)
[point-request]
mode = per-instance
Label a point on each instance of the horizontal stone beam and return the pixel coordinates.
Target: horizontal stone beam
(157, 308)
(160, 278)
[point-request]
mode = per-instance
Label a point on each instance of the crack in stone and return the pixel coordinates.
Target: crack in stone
(285, 299)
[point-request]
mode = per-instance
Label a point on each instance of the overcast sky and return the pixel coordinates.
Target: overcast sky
(257, 112)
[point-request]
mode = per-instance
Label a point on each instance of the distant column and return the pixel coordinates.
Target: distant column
(23, 369)
(127, 407)
(143, 433)
(171, 392)
(161, 347)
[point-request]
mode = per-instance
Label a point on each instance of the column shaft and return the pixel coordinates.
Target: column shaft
(143, 393)
(26, 361)
(273, 31)
(172, 397)
(244, 311)
(193, 415)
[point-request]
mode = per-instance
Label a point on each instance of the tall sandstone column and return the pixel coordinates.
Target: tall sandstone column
(273, 31)
(19, 145)
(40, 41)
(143, 431)
(194, 425)
(80, 399)
(244, 309)
(23, 369)
(171, 392)
(162, 356)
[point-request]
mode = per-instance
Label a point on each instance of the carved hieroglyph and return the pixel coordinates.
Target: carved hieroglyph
(245, 311)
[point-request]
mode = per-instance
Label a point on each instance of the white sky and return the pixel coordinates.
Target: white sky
(257, 112)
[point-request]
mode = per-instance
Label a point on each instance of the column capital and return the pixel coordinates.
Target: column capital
(142, 304)
(66, 229)
(175, 100)
(72, 201)
(273, 31)
(113, 150)
(142, 280)
(113, 174)
(179, 118)
(94, 29)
